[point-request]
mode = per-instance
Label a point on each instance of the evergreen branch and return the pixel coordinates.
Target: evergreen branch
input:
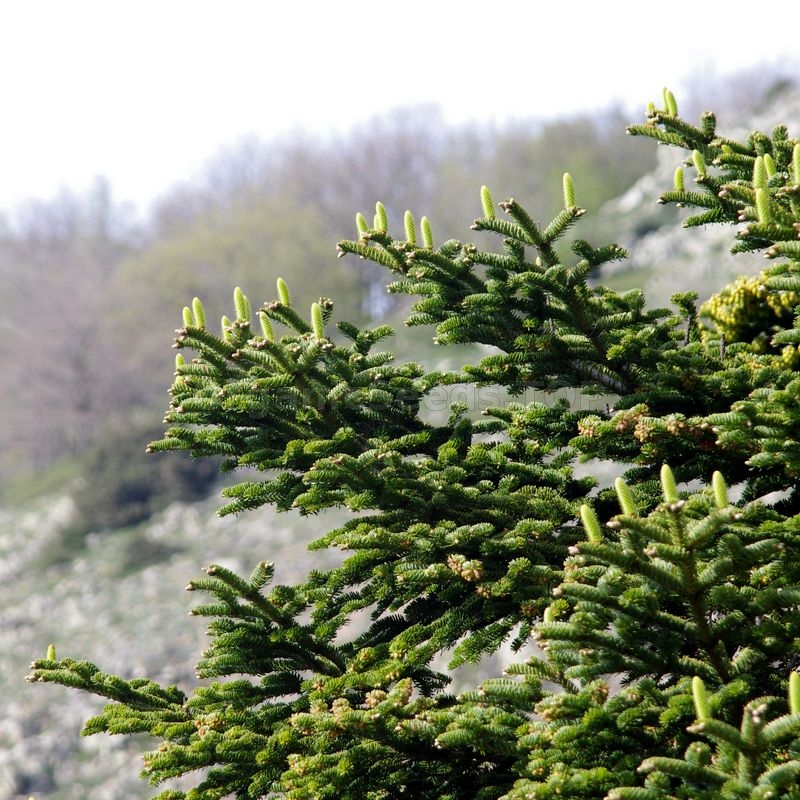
(660, 135)
(392, 259)
(561, 222)
(533, 234)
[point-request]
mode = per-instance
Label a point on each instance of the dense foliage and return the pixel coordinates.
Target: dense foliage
(665, 607)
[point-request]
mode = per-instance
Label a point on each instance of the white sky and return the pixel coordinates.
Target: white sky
(145, 92)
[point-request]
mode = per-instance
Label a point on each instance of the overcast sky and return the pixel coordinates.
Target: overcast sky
(145, 92)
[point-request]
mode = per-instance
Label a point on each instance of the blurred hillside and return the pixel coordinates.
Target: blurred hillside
(91, 295)
(85, 608)
(90, 298)
(663, 258)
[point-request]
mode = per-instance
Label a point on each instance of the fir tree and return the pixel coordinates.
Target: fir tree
(666, 607)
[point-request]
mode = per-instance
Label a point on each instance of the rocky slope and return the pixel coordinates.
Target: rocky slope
(120, 604)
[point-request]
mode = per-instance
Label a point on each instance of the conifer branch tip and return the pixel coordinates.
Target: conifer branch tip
(199, 313)
(242, 305)
(670, 104)
(626, 500)
(283, 293)
(702, 706)
(487, 203)
(317, 321)
(381, 218)
(427, 233)
(569, 191)
(794, 692)
(411, 230)
(668, 486)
